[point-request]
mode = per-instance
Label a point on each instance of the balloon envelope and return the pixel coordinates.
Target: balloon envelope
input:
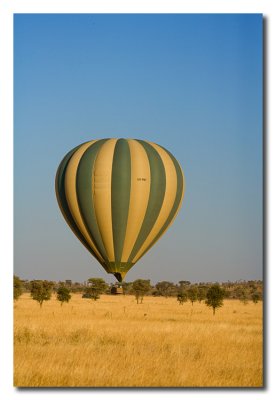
(119, 196)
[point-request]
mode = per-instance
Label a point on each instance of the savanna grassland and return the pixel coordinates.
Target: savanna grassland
(115, 342)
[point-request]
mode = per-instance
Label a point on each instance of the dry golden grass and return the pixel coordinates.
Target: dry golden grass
(115, 342)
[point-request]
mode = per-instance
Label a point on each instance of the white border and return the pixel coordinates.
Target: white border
(7, 9)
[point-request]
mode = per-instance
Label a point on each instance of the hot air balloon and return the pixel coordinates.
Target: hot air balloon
(119, 196)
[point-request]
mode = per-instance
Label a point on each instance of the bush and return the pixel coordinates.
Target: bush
(63, 295)
(17, 287)
(182, 297)
(255, 297)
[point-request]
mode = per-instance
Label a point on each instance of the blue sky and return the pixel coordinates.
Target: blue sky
(191, 83)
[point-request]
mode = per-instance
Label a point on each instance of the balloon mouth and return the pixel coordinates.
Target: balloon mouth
(118, 269)
(118, 276)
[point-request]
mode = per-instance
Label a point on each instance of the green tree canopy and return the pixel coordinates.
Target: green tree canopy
(192, 294)
(140, 287)
(165, 288)
(214, 297)
(127, 287)
(41, 290)
(184, 283)
(182, 297)
(96, 286)
(255, 297)
(201, 293)
(243, 296)
(63, 294)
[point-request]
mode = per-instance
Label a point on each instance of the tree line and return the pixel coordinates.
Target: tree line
(211, 293)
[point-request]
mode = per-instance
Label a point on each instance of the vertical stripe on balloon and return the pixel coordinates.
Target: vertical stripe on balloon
(169, 198)
(61, 198)
(120, 194)
(139, 195)
(156, 197)
(177, 203)
(102, 174)
(85, 190)
(71, 194)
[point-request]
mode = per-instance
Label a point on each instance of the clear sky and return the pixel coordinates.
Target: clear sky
(191, 83)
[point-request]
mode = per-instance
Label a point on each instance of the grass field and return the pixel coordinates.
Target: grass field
(115, 342)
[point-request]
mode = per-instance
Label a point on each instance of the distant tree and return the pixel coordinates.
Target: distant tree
(182, 297)
(227, 292)
(184, 283)
(127, 287)
(240, 293)
(140, 287)
(165, 288)
(201, 293)
(243, 296)
(17, 287)
(192, 294)
(96, 286)
(90, 294)
(77, 287)
(41, 290)
(26, 286)
(214, 297)
(252, 285)
(63, 294)
(255, 297)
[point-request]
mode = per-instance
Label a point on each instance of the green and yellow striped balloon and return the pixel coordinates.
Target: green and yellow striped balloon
(119, 196)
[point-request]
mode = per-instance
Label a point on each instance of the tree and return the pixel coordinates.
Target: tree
(90, 294)
(255, 297)
(201, 294)
(214, 297)
(184, 283)
(243, 296)
(182, 297)
(17, 287)
(165, 288)
(140, 287)
(63, 294)
(41, 290)
(127, 287)
(96, 286)
(192, 294)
